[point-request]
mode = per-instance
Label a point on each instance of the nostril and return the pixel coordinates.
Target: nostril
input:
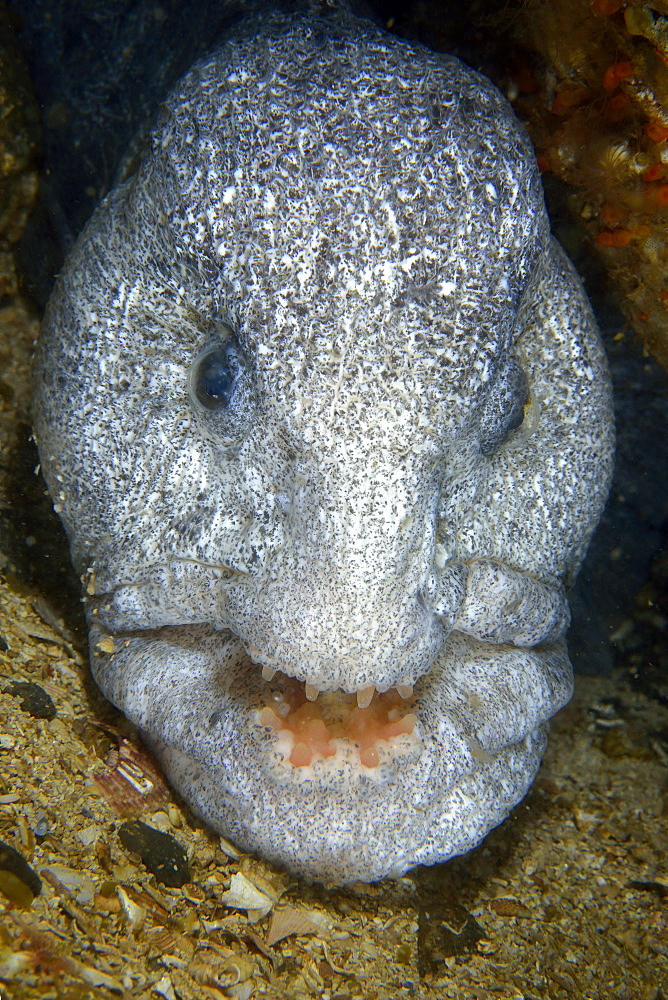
(426, 594)
(448, 589)
(424, 598)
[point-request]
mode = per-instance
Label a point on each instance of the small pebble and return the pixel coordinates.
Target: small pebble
(162, 854)
(34, 699)
(18, 881)
(445, 930)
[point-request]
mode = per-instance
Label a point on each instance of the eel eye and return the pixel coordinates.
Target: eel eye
(502, 409)
(223, 392)
(214, 375)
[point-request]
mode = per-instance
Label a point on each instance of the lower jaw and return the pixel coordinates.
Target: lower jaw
(435, 792)
(337, 825)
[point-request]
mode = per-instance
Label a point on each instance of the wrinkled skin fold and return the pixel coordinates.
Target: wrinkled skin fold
(317, 392)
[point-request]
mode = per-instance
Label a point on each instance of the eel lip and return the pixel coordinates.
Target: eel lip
(349, 674)
(364, 694)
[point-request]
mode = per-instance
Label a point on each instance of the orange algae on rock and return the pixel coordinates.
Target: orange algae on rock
(599, 121)
(589, 78)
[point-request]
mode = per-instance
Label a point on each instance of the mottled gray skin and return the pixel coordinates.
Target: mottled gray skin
(366, 216)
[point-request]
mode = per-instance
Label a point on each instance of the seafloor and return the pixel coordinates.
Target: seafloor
(567, 899)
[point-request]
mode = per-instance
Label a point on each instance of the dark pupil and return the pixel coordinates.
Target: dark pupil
(215, 380)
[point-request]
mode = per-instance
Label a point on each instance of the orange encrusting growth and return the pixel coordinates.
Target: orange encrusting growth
(614, 238)
(599, 121)
(615, 74)
(653, 173)
(656, 131)
(608, 7)
(316, 724)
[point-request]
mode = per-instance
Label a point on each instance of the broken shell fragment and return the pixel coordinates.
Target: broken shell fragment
(135, 913)
(290, 920)
(243, 895)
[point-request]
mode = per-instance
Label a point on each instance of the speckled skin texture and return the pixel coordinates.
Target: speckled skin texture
(363, 220)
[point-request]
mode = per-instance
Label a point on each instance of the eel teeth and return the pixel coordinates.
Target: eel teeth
(364, 696)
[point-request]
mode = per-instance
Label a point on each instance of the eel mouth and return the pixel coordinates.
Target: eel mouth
(291, 723)
(331, 788)
(310, 725)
